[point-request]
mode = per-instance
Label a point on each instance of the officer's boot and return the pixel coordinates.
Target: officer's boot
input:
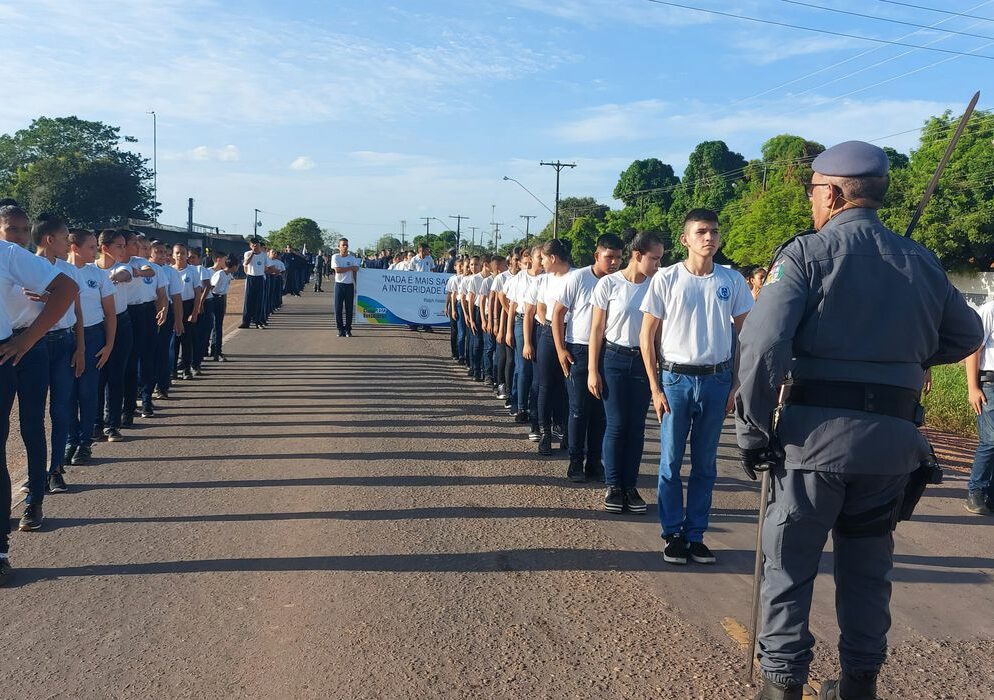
(775, 691)
(850, 688)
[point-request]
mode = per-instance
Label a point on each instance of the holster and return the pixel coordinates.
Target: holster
(928, 472)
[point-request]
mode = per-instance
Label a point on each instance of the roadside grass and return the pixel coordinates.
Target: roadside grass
(946, 407)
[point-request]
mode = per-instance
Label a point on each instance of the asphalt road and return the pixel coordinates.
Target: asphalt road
(350, 518)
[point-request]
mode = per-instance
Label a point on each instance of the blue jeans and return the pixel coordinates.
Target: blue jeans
(522, 368)
(165, 358)
(8, 390)
(982, 473)
(62, 384)
(32, 393)
(489, 348)
(626, 399)
(476, 345)
(83, 400)
(461, 332)
(551, 383)
(697, 407)
(110, 393)
(586, 412)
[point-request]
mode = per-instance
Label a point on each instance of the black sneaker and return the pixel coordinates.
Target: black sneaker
(196, 371)
(676, 550)
(243, 325)
(57, 483)
(595, 471)
(127, 422)
(558, 433)
(521, 417)
(223, 357)
(82, 456)
(187, 374)
(977, 503)
(348, 334)
(700, 553)
(614, 500)
(634, 502)
(535, 434)
(545, 444)
(114, 435)
(147, 412)
(69, 454)
(98, 434)
(32, 518)
(5, 571)
(575, 471)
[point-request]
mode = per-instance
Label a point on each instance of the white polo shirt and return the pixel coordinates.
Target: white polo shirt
(575, 296)
(425, 264)
(220, 281)
(20, 270)
(548, 293)
(254, 264)
(190, 279)
(23, 310)
(986, 313)
(697, 313)
(121, 292)
(175, 282)
(94, 287)
(621, 302)
(338, 260)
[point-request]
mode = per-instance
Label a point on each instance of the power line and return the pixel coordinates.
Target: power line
(829, 32)
(881, 19)
(935, 9)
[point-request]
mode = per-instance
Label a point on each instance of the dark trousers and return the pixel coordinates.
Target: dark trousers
(110, 393)
(83, 398)
(500, 358)
(626, 399)
(489, 351)
(8, 390)
(205, 324)
(165, 359)
(217, 331)
(255, 289)
(586, 412)
(188, 340)
(31, 380)
(139, 373)
(462, 333)
(509, 361)
(454, 337)
(551, 384)
(317, 281)
(524, 369)
(344, 306)
(476, 345)
(61, 382)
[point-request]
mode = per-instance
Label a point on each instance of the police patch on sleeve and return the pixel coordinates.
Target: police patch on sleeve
(775, 274)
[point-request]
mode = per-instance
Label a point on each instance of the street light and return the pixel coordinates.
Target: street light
(155, 169)
(549, 209)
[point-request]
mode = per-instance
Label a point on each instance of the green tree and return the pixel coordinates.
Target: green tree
(77, 169)
(388, 242)
(646, 182)
(297, 233)
(710, 180)
(582, 236)
(571, 208)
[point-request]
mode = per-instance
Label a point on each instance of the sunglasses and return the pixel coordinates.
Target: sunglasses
(809, 188)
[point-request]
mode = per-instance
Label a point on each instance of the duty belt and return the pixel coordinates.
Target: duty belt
(623, 349)
(696, 370)
(986, 377)
(883, 399)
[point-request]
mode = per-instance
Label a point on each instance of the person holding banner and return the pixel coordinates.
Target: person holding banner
(346, 267)
(422, 262)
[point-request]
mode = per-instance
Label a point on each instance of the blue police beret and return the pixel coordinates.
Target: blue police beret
(852, 159)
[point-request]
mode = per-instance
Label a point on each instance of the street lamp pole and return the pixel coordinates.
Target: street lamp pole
(155, 169)
(255, 227)
(458, 218)
(555, 218)
(528, 220)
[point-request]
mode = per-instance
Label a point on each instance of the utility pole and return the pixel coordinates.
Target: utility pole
(155, 170)
(458, 218)
(528, 220)
(473, 229)
(427, 220)
(255, 227)
(559, 167)
(496, 226)
(403, 233)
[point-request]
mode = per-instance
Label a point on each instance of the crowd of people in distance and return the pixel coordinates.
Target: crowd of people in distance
(416, 260)
(567, 351)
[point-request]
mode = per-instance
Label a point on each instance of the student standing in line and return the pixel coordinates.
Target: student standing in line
(115, 262)
(159, 300)
(450, 311)
(570, 325)
(464, 334)
(141, 293)
(346, 267)
(254, 264)
(505, 332)
(480, 303)
(524, 339)
(475, 349)
(204, 310)
(21, 270)
(694, 310)
(757, 278)
(172, 326)
(551, 386)
(279, 278)
(495, 323)
(96, 300)
(220, 282)
(616, 373)
(188, 297)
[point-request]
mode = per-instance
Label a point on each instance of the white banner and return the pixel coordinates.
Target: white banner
(401, 297)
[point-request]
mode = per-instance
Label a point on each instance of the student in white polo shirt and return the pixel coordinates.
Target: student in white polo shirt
(696, 309)
(191, 280)
(570, 326)
(220, 283)
(22, 374)
(450, 310)
(616, 373)
(114, 261)
(171, 327)
(346, 267)
(141, 291)
(254, 263)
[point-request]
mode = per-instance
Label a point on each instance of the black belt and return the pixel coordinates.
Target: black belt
(883, 399)
(623, 349)
(696, 370)
(122, 313)
(58, 333)
(986, 377)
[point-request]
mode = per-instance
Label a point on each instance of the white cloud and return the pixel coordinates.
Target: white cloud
(615, 122)
(302, 163)
(229, 153)
(594, 13)
(200, 153)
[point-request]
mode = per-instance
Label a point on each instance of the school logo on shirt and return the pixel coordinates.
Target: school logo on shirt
(92, 284)
(149, 280)
(724, 293)
(186, 279)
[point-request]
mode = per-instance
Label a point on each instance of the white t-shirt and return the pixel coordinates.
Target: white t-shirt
(575, 296)
(175, 285)
(697, 313)
(500, 282)
(277, 263)
(20, 270)
(220, 281)
(136, 291)
(162, 278)
(425, 264)
(463, 286)
(190, 279)
(254, 264)
(349, 260)
(121, 292)
(150, 285)
(987, 354)
(483, 291)
(206, 273)
(451, 285)
(512, 290)
(532, 287)
(94, 287)
(548, 293)
(23, 310)
(621, 302)
(68, 319)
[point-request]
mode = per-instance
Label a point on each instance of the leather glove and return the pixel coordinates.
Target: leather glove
(756, 459)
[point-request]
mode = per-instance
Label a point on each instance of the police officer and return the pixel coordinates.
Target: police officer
(848, 321)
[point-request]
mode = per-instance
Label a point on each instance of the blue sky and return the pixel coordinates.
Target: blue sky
(361, 114)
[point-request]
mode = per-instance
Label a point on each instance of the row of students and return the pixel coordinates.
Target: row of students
(580, 355)
(88, 328)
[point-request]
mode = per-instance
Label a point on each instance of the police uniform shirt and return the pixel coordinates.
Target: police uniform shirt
(425, 264)
(338, 260)
(548, 292)
(189, 277)
(576, 296)
(94, 287)
(697, 312)
(220, 281)
(20, 270)
(621, 302)
(254, 264)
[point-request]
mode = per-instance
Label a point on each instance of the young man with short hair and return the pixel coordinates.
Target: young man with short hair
(254, 264)
(346, 267)
(692, 314)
